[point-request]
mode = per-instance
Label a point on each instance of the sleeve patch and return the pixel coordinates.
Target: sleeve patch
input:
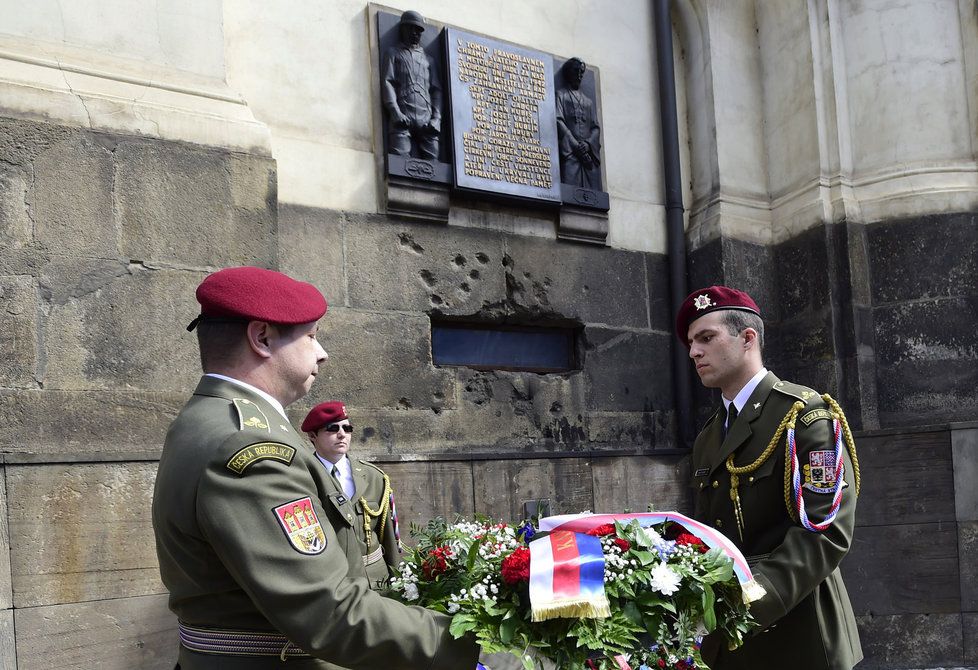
(251, 454)
(816, 414)
(301, 525)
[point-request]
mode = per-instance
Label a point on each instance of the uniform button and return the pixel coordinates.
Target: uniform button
(718, 523)
(716, 484)
(350, 517)
(751, 478)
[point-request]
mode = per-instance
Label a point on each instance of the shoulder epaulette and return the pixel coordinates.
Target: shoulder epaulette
(251, 416)
(368, 463)
(803, 393)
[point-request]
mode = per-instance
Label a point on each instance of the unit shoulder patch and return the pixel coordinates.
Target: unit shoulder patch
(301, 525)
(248, 456)
(820, 472)
(814, 415)
(250, 415)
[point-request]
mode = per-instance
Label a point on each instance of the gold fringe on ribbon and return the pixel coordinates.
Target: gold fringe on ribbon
(752, 591)
(576, 609)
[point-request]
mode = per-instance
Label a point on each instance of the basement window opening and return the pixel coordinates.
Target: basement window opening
(498, 347)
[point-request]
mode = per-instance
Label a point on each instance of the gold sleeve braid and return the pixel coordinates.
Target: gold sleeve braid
(382, 512)
(787, 422)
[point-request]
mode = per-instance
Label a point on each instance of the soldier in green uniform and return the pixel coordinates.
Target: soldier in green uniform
(255, 562)
(373, 548)
(775, 469)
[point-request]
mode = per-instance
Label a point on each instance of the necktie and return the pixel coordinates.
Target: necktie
(731, 417)
(336, 474)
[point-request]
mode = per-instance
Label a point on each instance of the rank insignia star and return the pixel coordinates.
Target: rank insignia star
(757, 405)
(702, 302)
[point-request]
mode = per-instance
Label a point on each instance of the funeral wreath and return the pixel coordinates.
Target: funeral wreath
(585, 591)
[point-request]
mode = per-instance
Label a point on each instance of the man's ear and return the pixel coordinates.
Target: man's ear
(750, 338)
(259, 336)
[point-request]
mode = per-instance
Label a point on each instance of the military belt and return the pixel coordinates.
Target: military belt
(373, 556)
(238, 643)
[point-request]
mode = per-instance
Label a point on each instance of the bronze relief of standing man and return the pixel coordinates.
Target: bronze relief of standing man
(578, 130)
(411, 93)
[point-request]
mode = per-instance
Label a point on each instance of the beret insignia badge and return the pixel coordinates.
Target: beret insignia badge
(301, 525)
(702, 302)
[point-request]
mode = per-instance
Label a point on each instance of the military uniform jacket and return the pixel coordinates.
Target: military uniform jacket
(371, 545)
(806, 615)
(251, 537)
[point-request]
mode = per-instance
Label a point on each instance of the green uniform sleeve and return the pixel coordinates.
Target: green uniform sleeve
(805, 558)
(308, 597)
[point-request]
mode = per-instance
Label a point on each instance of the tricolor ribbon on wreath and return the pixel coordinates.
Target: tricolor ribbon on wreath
(567, 565)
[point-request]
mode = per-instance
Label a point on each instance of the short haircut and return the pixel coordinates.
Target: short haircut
(221, 340)
(736, 320)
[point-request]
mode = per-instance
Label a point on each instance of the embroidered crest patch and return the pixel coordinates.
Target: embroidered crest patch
(301, 525)
(820, 472)
(702, 301)
(257, 452)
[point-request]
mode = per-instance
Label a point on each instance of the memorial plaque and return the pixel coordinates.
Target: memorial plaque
(504, 127)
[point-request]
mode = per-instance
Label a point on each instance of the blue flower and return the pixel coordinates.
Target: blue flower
(526, 531)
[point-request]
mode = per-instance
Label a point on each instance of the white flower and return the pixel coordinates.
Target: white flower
(665, 580)
(411, 591)
(453, 608)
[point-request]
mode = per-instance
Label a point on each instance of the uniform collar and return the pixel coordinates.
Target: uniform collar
(745, 393)
(254, 389)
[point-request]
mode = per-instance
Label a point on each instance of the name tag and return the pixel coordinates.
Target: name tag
(701, 472)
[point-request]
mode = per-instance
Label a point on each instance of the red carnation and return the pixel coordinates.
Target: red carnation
(688, 539)
(661, 663)
(602, 530)
(622, 543)
(516, 567)
(436, 562)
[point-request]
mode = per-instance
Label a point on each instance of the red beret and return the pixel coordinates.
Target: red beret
(323, 414)
(711, 299)
(256, 294)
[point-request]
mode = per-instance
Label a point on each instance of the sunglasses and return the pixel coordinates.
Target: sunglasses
(335, 428)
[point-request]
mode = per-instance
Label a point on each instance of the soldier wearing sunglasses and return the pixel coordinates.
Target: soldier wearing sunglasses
(362, 494)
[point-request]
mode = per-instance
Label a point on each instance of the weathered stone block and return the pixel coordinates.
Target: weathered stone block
(946, 243)
(112, 634)
(904, 569)
(588, 284)
(311, 248)
(969, 621)
(893, 468)
(23, 141)
(8, 646)
(627, 371)
(964, 450)
(88, 537)
(115, 326)
(967, 548)
(661, 316)
(254, 197)
(800, 263)
(633, 483)
(748, 266)
(427, 490)
(380, 360)
(494, 412)
(86, 425)
(174, 204)
(18, 336)
(6, 592)
(73, 215)
(420, 268)
(625, 430)
(910, 641)
(16, 229)
(803, 338)
(501, 487)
